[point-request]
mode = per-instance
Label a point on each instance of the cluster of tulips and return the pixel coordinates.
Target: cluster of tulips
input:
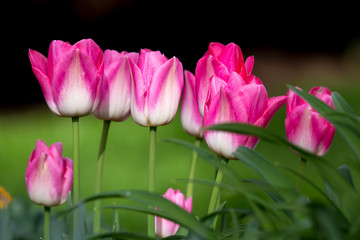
(81, 79)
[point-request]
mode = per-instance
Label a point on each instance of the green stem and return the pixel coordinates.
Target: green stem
(190, 185)
(76, 169)
(301, 171)
(152, 148)
(215, 195)
(46, 223)
(99, 173)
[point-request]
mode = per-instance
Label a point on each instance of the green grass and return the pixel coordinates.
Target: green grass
(126, 158)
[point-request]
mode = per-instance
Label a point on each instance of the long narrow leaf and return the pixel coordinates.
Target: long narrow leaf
(165, 206)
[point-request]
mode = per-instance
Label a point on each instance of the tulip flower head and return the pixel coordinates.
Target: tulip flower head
(191, 120)
(221, 61)
(49, 175)
(164, 227)
(305, 127)
(157, 84)
(116, 86)
(70, 77)
(233, 95)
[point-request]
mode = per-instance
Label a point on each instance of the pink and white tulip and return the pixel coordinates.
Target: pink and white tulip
(305, 127)
(237, 101)
(220, 61)
(116, 86)
(191, 120)
(165, 228)
(49, 175)
(157, 84)
(70, 77)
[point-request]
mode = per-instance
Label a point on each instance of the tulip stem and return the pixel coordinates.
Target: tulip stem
(152, 148)
(190, 185)
(299, 177)
(215, 195)
(76, 180)
(99, 173)
(46, 223)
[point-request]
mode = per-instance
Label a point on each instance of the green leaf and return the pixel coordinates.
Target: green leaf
(263, 167)
(326, 221)
(340, 104)
(120, 235)
(165, 208)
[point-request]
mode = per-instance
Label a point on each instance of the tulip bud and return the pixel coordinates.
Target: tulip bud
(157, 84)
(70, 77)
(191, 120)
(49, 175)
(116, 86)
(164, 227)
(305, 127)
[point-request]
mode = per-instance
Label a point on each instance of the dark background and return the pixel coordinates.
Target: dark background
(176, 28)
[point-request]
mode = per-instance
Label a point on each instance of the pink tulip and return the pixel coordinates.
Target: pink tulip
(164, 227)
(49, 175)
(70, 77)
(116, 86)
(221, 61)
(157, 84)
(191, 119)
(237, 101)
(305, 127)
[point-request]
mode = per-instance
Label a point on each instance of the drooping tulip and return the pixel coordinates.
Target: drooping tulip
(116, 86)
(237, 101)
(165, 228)
(49, 175)
(305, 127)
(157, 84)
(70, 77)
(191, 120)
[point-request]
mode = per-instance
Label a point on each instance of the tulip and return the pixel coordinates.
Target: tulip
(191, 120)
(305, 127)
(221, 61)
(241, 101)
(157, 84)
(49, 175)
(116, 86)
(70, 77)
(164, 227)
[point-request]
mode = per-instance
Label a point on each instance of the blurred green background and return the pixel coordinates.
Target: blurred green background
(126, 157)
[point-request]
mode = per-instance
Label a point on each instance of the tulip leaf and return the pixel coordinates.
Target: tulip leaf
(119, 235)
(327, 222)
(263, 167)
(152, 201)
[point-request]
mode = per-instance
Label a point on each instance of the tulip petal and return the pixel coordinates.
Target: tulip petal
(39, 65)
(232, 57)
(221, 109)
(116, 89)
(67, 179)
(75, 84)
(139, 111)
(207, 67)
(165, 92)
(191, 119)
(57, 49)
(91, 49)
(274, 104)
(149, 62)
